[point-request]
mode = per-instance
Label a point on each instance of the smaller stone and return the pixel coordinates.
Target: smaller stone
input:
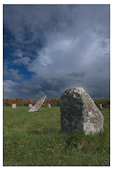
(48, 105)
(13, 106)
(100, 106)
(30, 105)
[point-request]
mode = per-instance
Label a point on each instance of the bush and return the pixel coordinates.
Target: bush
(28, 100)
(52, 101)
(105, 102)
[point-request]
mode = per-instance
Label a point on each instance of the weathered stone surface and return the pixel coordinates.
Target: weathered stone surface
(30, 105)
(100, 106)
(79, 112)
(13, 106)
(38, 104)
(48, 105)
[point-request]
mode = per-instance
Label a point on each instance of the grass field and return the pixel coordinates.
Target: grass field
(34, 139)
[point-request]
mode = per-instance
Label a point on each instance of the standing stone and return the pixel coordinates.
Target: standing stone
(100, 106)
(30, 105)
(38, 104)
(79, 112)
(13, 106)
(48, 105)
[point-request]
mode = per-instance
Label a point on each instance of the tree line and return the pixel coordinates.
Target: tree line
(28, 100)
(52, 101)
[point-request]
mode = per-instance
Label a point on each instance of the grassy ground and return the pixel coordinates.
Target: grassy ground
(36, 139)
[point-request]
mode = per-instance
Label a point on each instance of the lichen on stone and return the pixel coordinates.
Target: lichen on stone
(78, 111)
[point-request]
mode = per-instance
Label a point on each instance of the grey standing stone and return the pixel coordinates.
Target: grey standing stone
(30, 105)
(13, 106)
(38, 104)
(79, 112)
(48, 105)
(100, 106)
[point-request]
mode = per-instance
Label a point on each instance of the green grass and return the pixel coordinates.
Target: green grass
(34, 139)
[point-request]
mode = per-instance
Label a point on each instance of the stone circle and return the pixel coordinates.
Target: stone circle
(30, 105)
(79, 112)
(100, 106)
(38, 104)
(13, 106)
(48, 105)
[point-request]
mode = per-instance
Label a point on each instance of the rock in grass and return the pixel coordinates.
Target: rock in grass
(48, 105)
(13, 106)
(100, 106)
(38, 104)
(30, 105)
(79, 112)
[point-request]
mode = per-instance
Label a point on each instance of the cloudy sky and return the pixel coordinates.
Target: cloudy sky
(50, 48)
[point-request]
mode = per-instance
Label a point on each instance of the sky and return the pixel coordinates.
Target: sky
(48, 49)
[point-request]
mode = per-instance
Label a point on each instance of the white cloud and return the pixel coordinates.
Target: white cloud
(95, 51)
(18, 53)
(55, 57)
(23, 60)
(12, 73)
(14, 89)
(9, 84)
(64, 54)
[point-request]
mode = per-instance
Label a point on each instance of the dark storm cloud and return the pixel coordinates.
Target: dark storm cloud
(14, 89)
(63, 46)
(77, 74)
(34, 21)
